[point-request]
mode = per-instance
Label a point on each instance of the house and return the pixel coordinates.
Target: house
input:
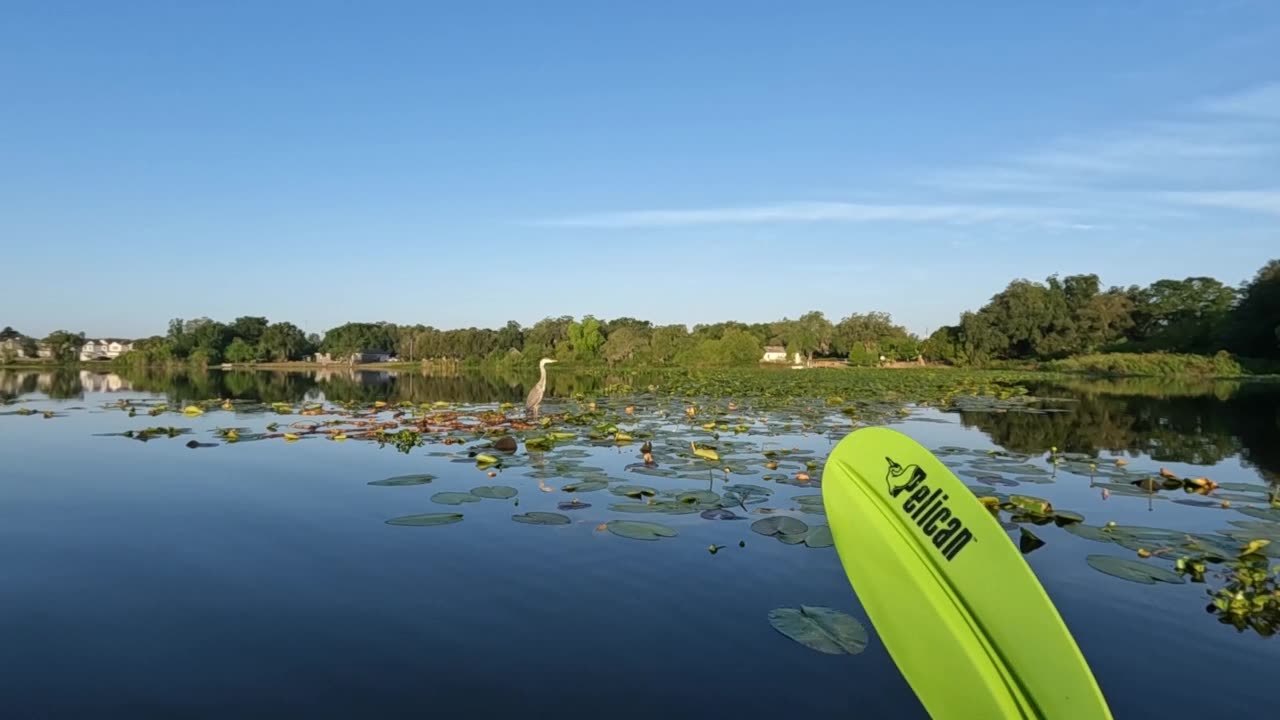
(355, 358)
(778, 354)
(104, 349)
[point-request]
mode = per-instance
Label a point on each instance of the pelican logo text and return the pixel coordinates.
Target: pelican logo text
(928, 509)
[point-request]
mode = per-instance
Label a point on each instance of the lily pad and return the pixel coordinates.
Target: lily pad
(819, 536)
(574, 505)
(821, 628)
(1133, 570)
(633, 491)
(1028, 542)
(1268, 513)
(542, 518)
(698, 497)
(454, 498)
(427, 519)
(781, 526)
(669, 507)
(636, 530)
(494, 492)
(720, 514)
(810, 504)
(403, 480)
(583, 486)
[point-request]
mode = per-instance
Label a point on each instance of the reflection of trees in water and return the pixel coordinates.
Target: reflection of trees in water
(59, 384)
(1169, 425)
(358, 386)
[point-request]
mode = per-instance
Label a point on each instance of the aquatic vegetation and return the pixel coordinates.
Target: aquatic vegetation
(722, 445)
(454, 498)
(639, 530)
(427, 519)
(495, 492)
(821, 628)
(542, 518)
(404, 480)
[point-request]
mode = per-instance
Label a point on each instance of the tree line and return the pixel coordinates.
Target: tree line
(1073, 315)
(1060, 317)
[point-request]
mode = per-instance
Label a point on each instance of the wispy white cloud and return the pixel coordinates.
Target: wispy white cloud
(807, 212)
(1262, 201)
(1217, 154)
(1259, 102)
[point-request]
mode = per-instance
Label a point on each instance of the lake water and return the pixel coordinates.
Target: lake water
(260, 578)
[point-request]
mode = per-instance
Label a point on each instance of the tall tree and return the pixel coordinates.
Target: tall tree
(283, 341)
(1254, 326)
(248, 327)
(64, 345)
(585, 338)
(624, 343)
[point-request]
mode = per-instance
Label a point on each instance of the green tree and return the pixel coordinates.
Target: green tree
(248, 327)
(864, 355)
(944, 345)
(355, 337)
(810, 333)
(284, 341)
(240, 351)
(64, 345)
(585, 338)
(1254, 326)
(546, 336)
(9, 333)
(667, 341)
(1183, 315)
(624, 344)
(867, 329)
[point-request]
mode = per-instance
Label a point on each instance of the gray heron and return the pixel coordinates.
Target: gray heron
(532, 402)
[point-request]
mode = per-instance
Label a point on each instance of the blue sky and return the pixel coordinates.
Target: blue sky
(684, 162)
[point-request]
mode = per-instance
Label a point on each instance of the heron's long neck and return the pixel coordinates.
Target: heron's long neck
(542, 375)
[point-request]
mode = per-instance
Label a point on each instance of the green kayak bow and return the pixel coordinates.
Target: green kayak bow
(957, 607)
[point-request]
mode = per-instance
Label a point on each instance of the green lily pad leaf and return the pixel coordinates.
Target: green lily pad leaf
(1260, 513)
(427, 519)
(810, 504)
(821, 628)
(641, 469)
(1067, 517)
(633, 491)
(747, 490)
(1088, 532)
(454, 498)
(542, 518)
(720, 514)
(1133, 570)
(585, 486)
(698, 497)
(403, 480)
(779, 526)
(1028, 542)
(494, 492)
(819, 536)
(636, 530)
(669, 507)
(1031, 505)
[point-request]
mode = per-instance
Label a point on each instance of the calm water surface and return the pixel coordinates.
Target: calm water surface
(146, 579)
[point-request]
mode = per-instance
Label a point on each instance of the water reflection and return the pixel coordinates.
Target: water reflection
(1201, 425)
(1198, 423)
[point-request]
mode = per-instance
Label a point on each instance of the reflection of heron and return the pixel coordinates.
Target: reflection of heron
(532, 402)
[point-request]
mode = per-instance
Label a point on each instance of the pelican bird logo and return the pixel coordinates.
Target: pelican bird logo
(897, 470)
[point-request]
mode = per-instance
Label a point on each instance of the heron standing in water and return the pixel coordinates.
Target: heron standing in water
(532, 402)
